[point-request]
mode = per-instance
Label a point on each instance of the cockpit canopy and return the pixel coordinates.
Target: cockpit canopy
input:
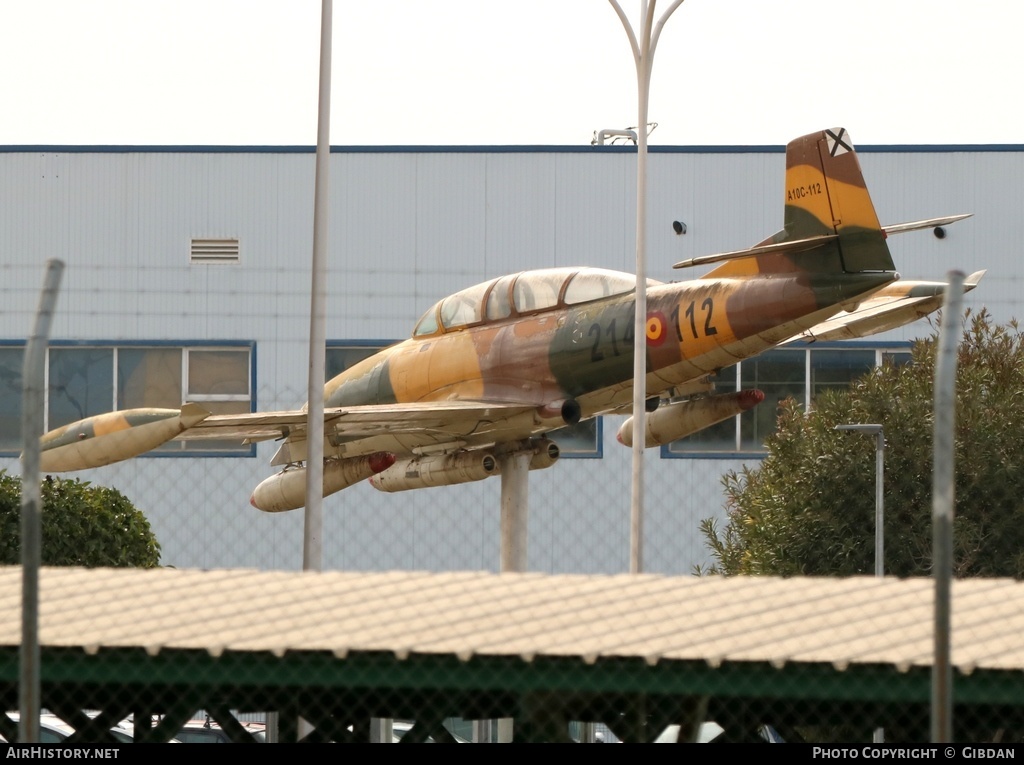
(524, 293)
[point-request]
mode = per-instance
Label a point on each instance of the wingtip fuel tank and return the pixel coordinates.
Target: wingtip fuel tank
(674, 421)
(114, 436)
(287, 490)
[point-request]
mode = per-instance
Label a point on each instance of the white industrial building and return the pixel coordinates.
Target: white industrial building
(188, 271)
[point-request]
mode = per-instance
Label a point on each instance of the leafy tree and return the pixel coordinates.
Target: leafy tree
(808, 508)
(82, 525)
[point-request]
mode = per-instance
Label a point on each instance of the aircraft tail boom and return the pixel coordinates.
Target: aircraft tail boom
(830, 221)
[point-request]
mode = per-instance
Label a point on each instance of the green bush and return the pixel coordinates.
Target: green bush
(82, 525)
(808, 508)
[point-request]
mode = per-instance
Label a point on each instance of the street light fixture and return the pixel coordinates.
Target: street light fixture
(875, 430)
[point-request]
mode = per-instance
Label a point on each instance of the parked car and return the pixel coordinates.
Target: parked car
(53, 730)
(210, 732)
(712, 733)
(400, 727)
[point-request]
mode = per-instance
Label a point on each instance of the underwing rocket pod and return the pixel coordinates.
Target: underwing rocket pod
(114, 436)
(675, 421)
(287, 490)
(462, 467)
(545, 455)
(436, 470)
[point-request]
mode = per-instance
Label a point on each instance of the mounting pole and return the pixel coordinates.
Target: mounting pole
(33, 386)
(943, 485)
(515, 470)
(312, 542)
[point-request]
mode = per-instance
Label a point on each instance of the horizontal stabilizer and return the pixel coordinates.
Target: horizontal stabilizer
(899, 228)
(798, 245)
(830, 225)
(891, 307)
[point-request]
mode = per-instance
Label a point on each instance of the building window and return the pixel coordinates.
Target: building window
(781, 375)
(80, 384)
(580, 441)
(801, 373)
(340, 356)
(839, 368)
(11, 360)
(83, 380)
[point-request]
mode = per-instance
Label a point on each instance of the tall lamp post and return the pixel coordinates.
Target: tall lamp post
(643, 46)
(876, 431)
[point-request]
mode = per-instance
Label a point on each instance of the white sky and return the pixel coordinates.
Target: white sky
(453, 72)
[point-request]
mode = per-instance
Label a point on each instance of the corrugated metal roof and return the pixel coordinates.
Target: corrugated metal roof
(837, 621)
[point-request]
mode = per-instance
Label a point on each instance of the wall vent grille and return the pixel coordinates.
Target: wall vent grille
(214, 251)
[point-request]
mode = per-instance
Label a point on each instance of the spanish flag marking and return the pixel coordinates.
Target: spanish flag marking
(655, 328)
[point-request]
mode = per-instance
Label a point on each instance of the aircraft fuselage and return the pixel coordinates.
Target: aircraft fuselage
(585, 351)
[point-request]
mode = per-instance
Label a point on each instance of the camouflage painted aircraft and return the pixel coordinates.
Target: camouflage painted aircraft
(491, 370)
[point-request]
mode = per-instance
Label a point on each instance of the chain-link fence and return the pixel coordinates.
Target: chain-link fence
(756, 616)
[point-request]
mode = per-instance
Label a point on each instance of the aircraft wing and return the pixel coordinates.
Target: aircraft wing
(414, 428)
(455, 417)
(893, 306)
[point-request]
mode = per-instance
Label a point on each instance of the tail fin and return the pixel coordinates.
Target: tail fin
(826, 194)
(830, 222)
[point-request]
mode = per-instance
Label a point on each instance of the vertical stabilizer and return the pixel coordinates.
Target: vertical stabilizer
(826, 194)
(825, 199)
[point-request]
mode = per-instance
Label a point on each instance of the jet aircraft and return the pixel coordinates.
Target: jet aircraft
(491, 370)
